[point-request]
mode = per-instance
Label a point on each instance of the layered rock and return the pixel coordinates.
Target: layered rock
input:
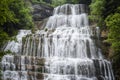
(41, 11)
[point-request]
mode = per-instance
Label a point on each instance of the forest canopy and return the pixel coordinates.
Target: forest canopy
(14, 15)
(55, 3)
(106, 13)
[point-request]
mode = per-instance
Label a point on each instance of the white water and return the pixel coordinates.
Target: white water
(15, 46)
(65, 51)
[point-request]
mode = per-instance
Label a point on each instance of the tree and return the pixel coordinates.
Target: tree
(58, 2)
(22, 13)
(14, 15)
(22, 16)
(97, 8)
(81, 1)
(113, 24)
(6, 15)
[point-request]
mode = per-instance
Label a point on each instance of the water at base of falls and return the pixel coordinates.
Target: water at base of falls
(65, 50)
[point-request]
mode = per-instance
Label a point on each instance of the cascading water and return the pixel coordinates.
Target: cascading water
(65, 50)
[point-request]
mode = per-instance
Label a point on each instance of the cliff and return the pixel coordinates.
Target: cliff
(40, 14)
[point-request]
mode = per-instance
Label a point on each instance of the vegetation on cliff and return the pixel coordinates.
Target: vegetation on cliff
(107, 15)
(14, 15)
(96, 11)
(113, 25)
(55, 3)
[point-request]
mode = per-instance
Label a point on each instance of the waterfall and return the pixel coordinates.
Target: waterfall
(64, 50)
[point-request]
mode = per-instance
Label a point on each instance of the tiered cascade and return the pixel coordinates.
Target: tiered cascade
(64, 50)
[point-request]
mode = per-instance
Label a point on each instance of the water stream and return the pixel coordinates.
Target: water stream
(64, 50)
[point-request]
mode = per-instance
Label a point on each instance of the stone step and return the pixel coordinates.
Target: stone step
(29, 60)
(26, 67)
(37, 75)
(29, 75)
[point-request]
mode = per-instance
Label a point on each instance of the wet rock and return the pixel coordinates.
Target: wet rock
(41, 24)
(41, 11)
(104, 34)
(38, 76)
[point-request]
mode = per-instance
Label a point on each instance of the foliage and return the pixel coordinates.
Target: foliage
(108, 11)
(111, 7)
(113, 23)
(46, 2)
(22, 13)
(6, 15)
(81, 2)
(97, 8)
(3, 37)
(2, 53)
(55, 3)
(58, 2)
(14, 15)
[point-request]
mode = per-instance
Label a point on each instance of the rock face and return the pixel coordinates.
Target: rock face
(41, 11)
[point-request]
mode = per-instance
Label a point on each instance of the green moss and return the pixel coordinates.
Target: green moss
(46, 29)
(23, 40)
(2, 53)
(3, 38)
